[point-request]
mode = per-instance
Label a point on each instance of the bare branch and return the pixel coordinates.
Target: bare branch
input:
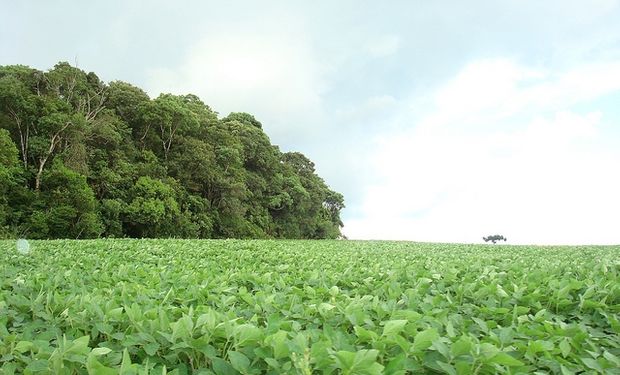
(54, 141)
(93, 110)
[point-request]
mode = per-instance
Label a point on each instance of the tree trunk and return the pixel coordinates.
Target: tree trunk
(37, 180)
(42, 161)
(23, 137)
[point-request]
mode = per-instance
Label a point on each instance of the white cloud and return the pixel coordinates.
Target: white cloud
(276, 77)
(500, 151)
(373, 106)
(383, 46)
(488, 91)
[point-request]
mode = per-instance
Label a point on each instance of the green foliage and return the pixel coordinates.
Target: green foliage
(244, 118)
(166, 167)
(306, 307)
(8, 150)
(67, 205)
(153, 210)
(10, 179)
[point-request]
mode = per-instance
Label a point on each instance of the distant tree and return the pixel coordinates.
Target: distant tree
(494, 238)
(48, 111)
(165, 118)
(19, 105)
(66, 206)
(313, 209)
(153, 209)
(244, 118)
(127, 102)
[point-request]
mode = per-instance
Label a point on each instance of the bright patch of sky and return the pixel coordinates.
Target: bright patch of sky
(438, 121)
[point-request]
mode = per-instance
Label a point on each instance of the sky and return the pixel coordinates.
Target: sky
(439, 121)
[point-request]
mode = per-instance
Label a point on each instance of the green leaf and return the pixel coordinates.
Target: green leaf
(126, 363)
(565, 348)
(344, 360)
(95, 367)
(278, 342)
(540, 315)
(506, 335)
(79, 346)
(239, 361)
(488, 350)
(593, 364)
(539, 346)
(115, 314)
(424, 339)
(324, 308)
(100, 351)
(612, 358)
(208, 319)
(441, 348)
(481, 323)
(272, 363)
(247, 333)
(23, 346)
(461, 346)
(394, 327)
(505, 359)
(365, 335)
(182, 328)
(151, 348)
(463, 368)
(450, 330)
(361, 362)
(396, 365)
(319, 353)
(448, 368)
(221, 367)
(38, 365)
(374, 369)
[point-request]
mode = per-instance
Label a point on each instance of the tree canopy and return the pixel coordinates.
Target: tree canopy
(81, 158)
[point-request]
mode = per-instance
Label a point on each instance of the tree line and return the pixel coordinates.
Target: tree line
(80, 158)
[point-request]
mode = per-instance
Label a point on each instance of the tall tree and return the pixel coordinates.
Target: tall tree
(20, 100)
(67, 206)
(166, 117)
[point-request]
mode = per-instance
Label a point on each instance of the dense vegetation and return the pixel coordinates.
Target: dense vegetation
(272, 307)
(81, 159)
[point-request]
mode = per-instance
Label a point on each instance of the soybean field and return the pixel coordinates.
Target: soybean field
(307, 307)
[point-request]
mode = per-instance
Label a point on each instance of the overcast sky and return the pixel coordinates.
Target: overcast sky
(437, 120)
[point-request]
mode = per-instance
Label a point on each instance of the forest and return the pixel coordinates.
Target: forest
(81, 158)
